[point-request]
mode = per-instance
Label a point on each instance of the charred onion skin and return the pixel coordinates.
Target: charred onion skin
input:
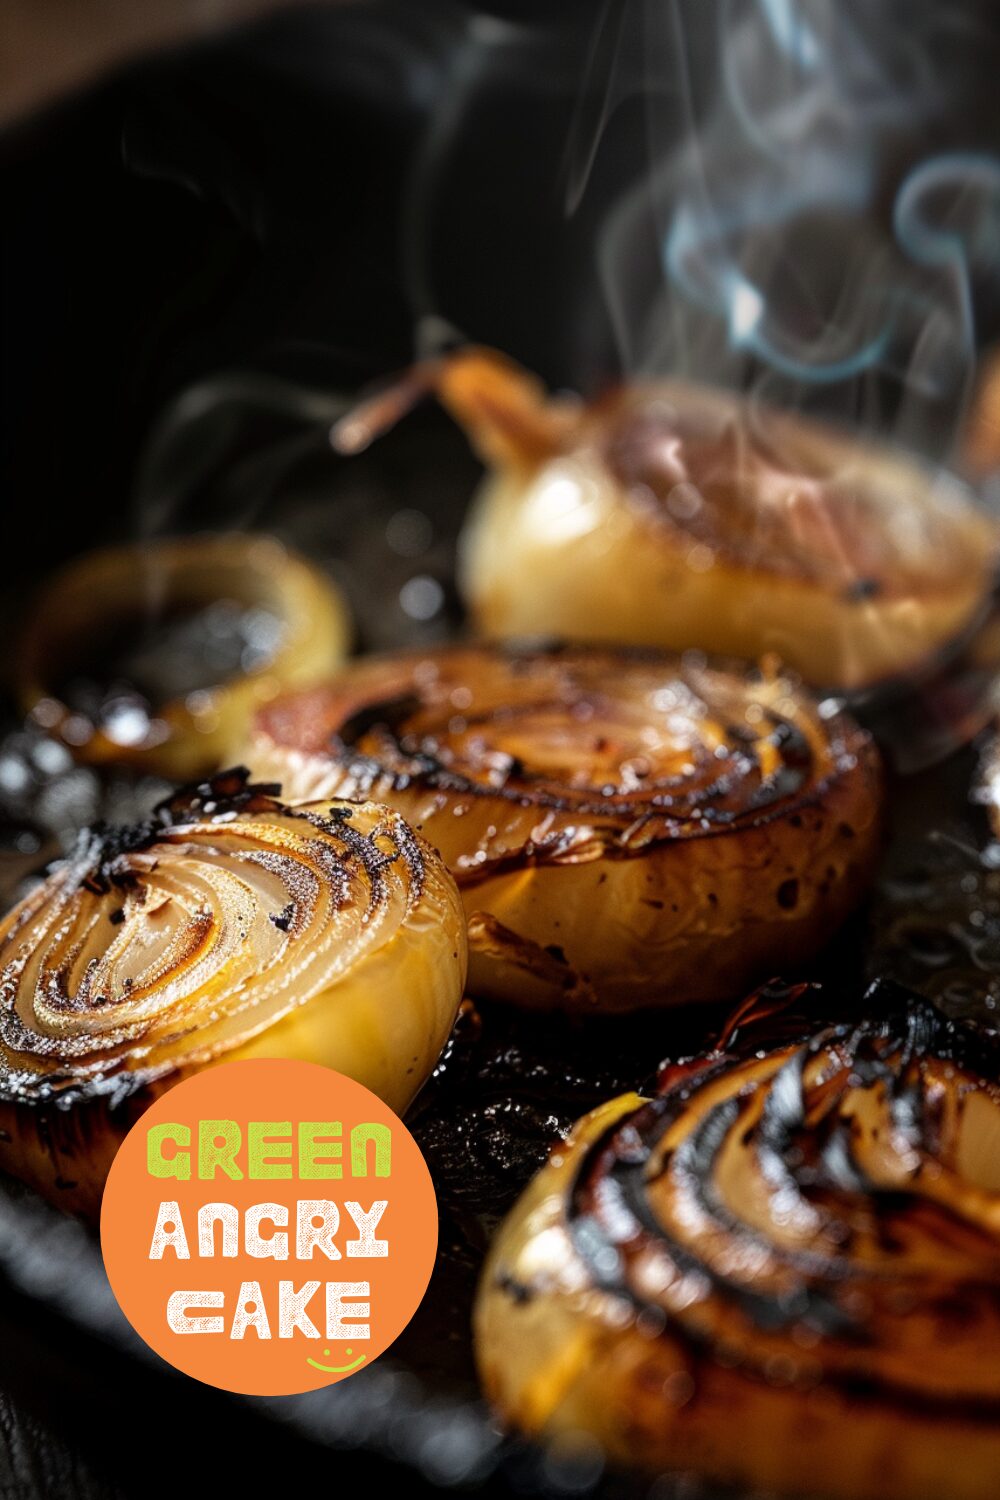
(228, 926)
(783, 1271)
(672, 515)
(627, 829)
(194, 735)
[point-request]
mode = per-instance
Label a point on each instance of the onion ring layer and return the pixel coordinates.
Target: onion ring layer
(229, 926)
(783, 1271)
(627, 829)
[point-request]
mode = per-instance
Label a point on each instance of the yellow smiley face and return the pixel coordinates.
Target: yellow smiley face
(337, 1369)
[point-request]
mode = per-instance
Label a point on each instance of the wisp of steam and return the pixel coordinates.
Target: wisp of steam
(813, 242)
(800, 223)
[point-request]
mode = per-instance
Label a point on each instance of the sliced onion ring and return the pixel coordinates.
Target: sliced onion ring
(627, 829)
(110, 592)
(229, 926)
(782, 1272)
(672, 515)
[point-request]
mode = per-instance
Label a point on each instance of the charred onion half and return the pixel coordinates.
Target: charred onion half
(678, 516)
(229, 926)
(627, 829)
(98, 609)
(783, 1271)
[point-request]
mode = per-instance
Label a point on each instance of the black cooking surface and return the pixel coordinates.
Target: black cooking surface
(509, 1085)
(507, 1088)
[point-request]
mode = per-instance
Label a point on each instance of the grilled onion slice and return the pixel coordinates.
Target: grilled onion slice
(673, 515)
(627, 829)
(229, 926)
(782, 1271)
(106, 601)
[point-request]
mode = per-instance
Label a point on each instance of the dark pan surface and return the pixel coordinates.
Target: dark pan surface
(507, 1088)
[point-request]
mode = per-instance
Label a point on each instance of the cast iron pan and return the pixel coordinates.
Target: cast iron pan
(507, 1088)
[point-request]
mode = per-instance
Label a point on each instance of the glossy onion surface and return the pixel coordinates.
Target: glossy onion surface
(227, 927)
(627, 829)
(782, 1271)
(678, 516)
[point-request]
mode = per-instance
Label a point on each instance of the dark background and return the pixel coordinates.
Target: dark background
(303, 196)
(255, 204)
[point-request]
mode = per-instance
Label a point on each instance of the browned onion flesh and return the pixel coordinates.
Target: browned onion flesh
(627, 829)
(782, 1271)
(228, 926)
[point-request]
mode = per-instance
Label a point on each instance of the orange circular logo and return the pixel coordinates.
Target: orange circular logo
(269, 1226)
